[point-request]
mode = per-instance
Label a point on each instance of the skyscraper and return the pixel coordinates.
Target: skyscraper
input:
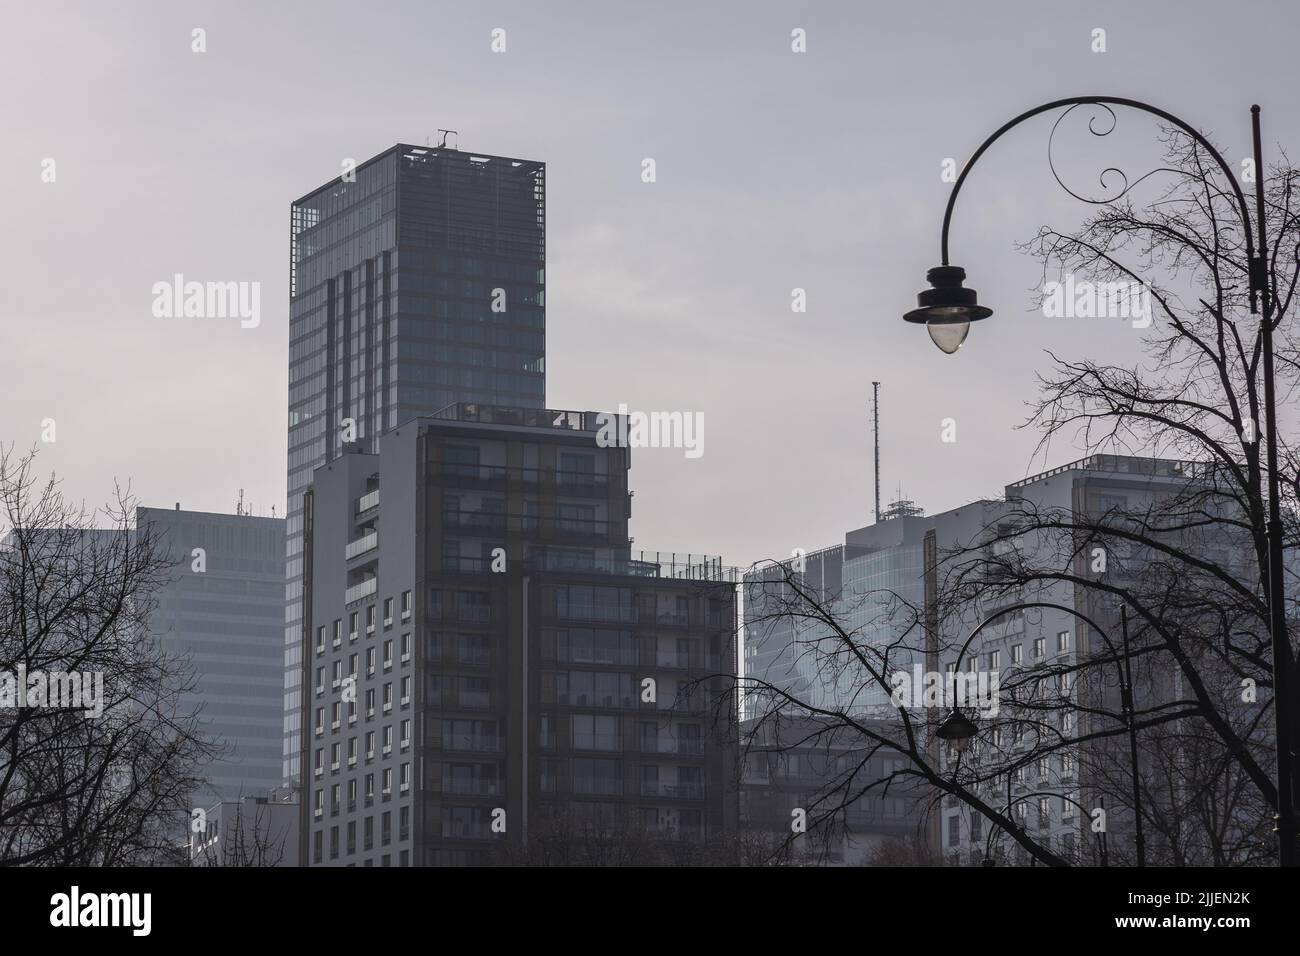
(416, 279)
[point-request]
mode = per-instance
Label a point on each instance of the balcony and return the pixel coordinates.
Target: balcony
(678, 791)
(368, 501)
(454, 473)
(474, 520)
(358, 592)
(672, 745)
(362, 545)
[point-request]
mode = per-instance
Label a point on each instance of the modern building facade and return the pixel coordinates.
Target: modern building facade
(222, 611)
(873, 584)
(417, 280)
(851, 805)
(1037, 651)
(487, 657)
(252, 831)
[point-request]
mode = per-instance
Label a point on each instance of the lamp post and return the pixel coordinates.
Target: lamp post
(958, 729)
(948, 308)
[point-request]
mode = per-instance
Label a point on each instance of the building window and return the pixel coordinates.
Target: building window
(1040, 646)
(353, 622)
(995, 660)
(320, 639)
(388, 655)
(388, 612)
(370, 619)
(406, 606)
(1063, 642)
(1016, 653)
(406, 647)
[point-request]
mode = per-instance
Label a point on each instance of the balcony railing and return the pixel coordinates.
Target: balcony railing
(683, 791)
(359, 591)
(672, 745)
(362, 545)
(367, 501)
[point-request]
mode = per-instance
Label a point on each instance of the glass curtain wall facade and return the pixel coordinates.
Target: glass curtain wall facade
(415, 282)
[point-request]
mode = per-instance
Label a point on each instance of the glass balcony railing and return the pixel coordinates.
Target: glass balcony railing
(362, 545)
(367, 501)
(359, 591)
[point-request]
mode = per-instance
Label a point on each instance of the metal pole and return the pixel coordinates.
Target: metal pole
(1261, 278)
(875, 434)
(1101, 836)
(1127, 692)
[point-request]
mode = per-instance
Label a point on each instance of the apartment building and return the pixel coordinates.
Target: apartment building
(486, 656)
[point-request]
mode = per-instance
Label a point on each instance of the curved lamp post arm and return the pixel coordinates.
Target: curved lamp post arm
(1025, 606)
(1113, 101)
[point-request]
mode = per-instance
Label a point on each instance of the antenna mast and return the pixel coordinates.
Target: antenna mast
(875, 432)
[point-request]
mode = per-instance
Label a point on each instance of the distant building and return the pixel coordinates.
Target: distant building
(487, 658)
(850, 806)
(223, 611)
(873, 584)
(251, 831)
(1053, 796)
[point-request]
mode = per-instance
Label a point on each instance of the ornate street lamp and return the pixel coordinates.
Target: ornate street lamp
(947, 309)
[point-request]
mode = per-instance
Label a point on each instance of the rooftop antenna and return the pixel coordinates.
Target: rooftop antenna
(239, 507)
(875, 433)
(445, 133)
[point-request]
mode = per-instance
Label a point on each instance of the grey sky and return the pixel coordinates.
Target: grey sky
(775, 171)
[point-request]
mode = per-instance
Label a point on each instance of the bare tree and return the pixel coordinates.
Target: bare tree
(83, 786)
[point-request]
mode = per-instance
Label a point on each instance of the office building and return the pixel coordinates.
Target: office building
(872, 584)
(417, 280)
(221, 610)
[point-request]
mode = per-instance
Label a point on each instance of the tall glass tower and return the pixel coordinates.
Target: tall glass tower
(416, 280)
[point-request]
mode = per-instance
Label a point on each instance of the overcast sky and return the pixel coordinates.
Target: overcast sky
(775, 170)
